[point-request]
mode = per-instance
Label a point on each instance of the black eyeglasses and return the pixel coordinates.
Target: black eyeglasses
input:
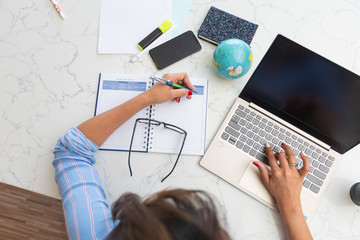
(152, 122)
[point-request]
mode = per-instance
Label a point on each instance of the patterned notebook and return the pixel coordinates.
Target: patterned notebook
(219, 26)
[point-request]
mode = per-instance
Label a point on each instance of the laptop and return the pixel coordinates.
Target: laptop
(297, 97)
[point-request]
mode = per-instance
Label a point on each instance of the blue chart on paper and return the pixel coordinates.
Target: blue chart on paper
(199, 89)
(124, 85)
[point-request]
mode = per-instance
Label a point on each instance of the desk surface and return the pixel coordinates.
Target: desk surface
(49, 73)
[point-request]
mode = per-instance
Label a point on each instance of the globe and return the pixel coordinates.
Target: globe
(232, 58)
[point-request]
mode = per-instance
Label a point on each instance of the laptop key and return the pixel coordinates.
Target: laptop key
(319, 174)
(257, 138)
(262, 125)
(315, 163)
(281, 136)
(235, 118)
(322, 159)
(275, 133)
(295, 144)
(247, 110)
(331, 158)
(243, 138)
(328, 163)
(256, 129)
(263, 142)
(232, 132)
(301, 148)
(275, 141)
(324, 168)
(242, 122)
(257, 146)
(315, 155)
(252, 152)
(240, 113)
(241, 107)
(255, 121)
(249, 118)
(288, 140)
(314, 179)
(262, 133)
(268, 129)
(243, 130)
(234, 125)
(232, 140)
(249, 126)
(250, 134)
(314, 188)
(308, 152)
(246, 148)
(225, 136)
(306, 183)
(250, 142)
(268, 137)
(239, 144)
(262, 158)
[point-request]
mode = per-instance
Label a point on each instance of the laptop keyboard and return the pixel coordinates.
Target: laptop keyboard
(249, 132)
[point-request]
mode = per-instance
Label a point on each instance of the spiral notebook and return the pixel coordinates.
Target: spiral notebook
(190, 115)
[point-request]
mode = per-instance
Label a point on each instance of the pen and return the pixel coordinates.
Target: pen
(58, 9)
(170, 83)
(154, 35)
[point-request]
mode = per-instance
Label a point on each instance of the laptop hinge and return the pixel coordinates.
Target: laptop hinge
(288, 125)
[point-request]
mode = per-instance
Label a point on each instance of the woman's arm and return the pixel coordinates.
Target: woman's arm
(86, 211)
(100, 127)
(285, 184)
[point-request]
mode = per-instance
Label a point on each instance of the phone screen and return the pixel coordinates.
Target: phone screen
(175, 49)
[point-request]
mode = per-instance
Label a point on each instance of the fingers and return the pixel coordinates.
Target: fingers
(180, 78)
(306, 165)
(264, 172)
(178, 93)
(291, 159)
(271, 157)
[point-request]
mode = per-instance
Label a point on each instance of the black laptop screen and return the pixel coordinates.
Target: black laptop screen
(308, 91)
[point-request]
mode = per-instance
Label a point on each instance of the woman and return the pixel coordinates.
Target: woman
(170, 214)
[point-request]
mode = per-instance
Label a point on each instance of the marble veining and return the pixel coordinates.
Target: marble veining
(48, 81)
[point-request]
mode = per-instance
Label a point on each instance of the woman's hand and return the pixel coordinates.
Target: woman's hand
(160, 93)
(285, 180)
(285, 183)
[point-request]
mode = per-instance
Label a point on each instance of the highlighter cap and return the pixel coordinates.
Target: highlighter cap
(165, 26)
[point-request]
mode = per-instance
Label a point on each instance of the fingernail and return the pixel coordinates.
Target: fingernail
(189, 93)
(283, 144)
(255, 163)
(267, 145)
(178, 100)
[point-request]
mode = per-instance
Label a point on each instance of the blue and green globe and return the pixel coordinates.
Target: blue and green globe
(232, 58)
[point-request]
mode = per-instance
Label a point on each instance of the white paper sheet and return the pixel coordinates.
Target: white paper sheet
(123, 24)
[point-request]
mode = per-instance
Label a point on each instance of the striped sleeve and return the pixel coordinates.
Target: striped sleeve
(87, 214)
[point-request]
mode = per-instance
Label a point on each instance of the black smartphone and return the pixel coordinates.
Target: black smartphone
(175, 49)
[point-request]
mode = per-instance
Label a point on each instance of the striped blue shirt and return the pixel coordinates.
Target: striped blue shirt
(87, 214)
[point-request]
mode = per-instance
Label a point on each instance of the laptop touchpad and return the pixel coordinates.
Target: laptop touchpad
(251, 182)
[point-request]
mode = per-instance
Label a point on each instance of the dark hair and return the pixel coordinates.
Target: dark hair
(170, 214)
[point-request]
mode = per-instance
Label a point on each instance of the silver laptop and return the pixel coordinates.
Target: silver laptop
(297, 97)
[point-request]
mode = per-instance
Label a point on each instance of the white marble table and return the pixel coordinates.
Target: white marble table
(48, 80)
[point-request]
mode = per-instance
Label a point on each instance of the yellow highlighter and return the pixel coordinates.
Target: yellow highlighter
(154, 35)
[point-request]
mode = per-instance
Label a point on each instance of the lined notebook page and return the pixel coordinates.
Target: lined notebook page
(115, 89)
(189, 115)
